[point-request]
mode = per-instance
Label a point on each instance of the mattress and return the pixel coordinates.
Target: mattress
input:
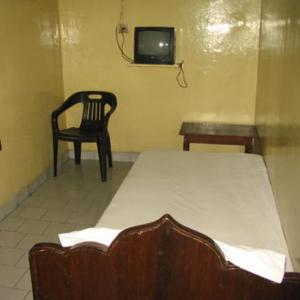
(225, 196)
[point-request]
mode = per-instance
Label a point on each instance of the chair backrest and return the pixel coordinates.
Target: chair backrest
(97, 108)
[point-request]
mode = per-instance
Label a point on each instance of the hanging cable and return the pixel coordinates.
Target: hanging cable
(119, 31)
(121, 45)
(182, 83)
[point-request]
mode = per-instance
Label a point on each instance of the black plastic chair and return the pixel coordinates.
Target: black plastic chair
(97, 109)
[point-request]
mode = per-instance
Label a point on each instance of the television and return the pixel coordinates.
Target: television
(154, 45)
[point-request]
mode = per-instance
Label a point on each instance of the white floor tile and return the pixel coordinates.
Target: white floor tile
(11, 223)
(29, 212)
(10, 256)
(10, 238)
(12, 294)
(24, 261)
(25, 282)
(85, 219)
(56, 215)
(72, 201)
(33, 226)
(29, 296)
(10, 275)
(80, 227)
(56, 203)
(79, 206)
(56, 228)
(31, 239)
(32, 201)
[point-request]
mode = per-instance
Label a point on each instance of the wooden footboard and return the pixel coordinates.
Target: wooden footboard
(161, 260)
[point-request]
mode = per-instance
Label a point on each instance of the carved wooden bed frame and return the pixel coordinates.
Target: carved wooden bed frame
(160, 260)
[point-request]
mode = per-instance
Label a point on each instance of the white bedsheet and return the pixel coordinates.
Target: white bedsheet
(227, 197)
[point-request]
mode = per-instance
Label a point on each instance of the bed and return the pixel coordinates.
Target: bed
(226, 197)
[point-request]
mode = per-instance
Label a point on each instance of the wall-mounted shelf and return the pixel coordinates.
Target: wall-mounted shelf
(175, 66)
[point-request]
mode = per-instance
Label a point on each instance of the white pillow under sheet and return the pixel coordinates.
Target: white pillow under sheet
(265, 263)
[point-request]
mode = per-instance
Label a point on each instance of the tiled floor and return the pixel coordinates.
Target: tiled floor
(72, 201)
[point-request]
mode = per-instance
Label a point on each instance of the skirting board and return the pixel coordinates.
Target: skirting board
(8, 207)
(117, 156)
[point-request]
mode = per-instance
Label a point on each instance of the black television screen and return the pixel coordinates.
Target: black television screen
(154, 45)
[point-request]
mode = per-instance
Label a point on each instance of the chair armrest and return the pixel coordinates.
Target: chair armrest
(54, 122)
(107, 116)
(67, 104)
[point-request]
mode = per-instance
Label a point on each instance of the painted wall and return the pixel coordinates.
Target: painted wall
(278, 111)
(30, 88)
(218, 40)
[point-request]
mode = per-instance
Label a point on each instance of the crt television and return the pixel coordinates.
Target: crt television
(154, 45)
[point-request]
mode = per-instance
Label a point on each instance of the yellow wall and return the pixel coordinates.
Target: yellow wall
(30, 88)
(218, 40)
(278, 110)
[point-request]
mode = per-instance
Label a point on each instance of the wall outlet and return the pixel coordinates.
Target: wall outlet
(122, 28)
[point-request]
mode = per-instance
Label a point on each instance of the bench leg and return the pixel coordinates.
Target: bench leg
(186, 144)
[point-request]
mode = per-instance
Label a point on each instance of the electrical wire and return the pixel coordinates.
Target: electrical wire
(121, 45)
(183, 84)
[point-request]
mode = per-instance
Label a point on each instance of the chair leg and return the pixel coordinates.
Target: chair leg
(77, 152)
(102, 159)
(108, 149)
(55, 150)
